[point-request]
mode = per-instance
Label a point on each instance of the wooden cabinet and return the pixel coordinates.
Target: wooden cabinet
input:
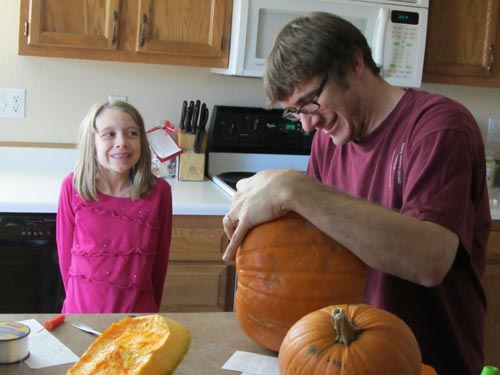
(180, 32)
(197, 278)
(191, 28)
(491, 283)
(462, 43)
(79, 24)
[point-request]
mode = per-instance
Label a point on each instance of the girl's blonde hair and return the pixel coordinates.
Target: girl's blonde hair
(87, 169)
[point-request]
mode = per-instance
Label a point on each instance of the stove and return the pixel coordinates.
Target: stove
(246, 140)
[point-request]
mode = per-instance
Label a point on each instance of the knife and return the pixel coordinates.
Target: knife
(201, 128)
(183, 114)
(189, 114)
(196, 112)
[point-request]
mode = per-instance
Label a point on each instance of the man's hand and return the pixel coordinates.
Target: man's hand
(258, 199)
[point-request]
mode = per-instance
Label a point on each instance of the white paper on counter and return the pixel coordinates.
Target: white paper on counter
(252, 364)
(45, 349)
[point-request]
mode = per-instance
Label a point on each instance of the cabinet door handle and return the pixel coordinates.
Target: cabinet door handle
(142, 39)
(115, 24)
(492, 58)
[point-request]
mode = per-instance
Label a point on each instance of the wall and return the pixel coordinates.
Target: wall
(60, 91)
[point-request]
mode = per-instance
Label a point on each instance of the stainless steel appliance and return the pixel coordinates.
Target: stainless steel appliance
(30, 280)
(245, 140)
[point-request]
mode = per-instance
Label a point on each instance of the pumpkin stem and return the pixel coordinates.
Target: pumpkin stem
(347, 332)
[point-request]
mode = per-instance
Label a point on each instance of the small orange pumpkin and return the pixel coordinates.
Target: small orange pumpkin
(286, 269)
(350, 340)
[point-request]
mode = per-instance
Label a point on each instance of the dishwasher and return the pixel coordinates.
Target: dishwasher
(30, 280)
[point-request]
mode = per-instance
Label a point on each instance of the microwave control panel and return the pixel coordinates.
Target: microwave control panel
(402, 51)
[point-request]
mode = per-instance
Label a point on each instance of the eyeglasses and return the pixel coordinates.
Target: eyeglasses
(308, 108)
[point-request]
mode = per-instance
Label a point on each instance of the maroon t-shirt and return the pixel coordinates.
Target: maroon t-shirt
(425, 160)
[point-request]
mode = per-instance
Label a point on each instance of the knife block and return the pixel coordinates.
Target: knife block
(191, 164)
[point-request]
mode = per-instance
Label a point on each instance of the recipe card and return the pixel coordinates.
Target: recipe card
(44, 348)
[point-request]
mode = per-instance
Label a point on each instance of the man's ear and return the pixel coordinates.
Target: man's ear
(358, 65)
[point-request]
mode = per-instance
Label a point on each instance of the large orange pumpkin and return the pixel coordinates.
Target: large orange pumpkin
(350, 340)
(286, 269)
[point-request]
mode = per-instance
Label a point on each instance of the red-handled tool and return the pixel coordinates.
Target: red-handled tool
(53, 323)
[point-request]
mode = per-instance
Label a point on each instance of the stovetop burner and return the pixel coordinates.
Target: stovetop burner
(231, 178)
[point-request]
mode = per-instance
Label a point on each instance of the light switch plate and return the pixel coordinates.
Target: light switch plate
(12, 102)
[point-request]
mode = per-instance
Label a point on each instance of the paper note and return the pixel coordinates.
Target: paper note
(252, 364)
(162, 144)
(45, 349)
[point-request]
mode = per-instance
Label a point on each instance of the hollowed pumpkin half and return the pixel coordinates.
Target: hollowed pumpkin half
(143, 345)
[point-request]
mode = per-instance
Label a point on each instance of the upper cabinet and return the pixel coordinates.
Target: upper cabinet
(80, 24)
(179, 32)
(192, 28)
(462, 43)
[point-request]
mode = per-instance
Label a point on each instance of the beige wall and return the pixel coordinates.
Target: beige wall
(60, 91)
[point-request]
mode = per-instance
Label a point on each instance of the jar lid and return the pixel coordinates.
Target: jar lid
(13, 331)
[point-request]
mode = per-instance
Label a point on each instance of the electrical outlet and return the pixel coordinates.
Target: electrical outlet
(493, 130)
(12, 103)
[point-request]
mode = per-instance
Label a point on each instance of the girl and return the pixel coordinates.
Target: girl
(114, 220)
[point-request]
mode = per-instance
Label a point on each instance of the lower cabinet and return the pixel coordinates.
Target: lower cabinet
(491, 284)
(197, 278)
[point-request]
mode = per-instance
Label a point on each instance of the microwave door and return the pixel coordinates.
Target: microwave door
(268, 18)
(265, 20)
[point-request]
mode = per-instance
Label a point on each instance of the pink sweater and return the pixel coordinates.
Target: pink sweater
(113, 252)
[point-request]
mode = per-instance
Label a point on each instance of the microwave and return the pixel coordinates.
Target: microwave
(395, 30)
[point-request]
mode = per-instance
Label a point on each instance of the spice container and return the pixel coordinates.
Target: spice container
(490, 167)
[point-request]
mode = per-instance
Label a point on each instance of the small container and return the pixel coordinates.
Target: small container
(13, 342)
(490, 168)
(490, 370)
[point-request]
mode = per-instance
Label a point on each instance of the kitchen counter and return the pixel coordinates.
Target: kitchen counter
(38, 193)
(30, 180)
(215, 337)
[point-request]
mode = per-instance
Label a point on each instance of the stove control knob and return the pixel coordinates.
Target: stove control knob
(231, 129)
(255, 125)
(272, 127)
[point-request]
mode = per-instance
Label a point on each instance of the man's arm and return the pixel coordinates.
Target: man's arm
(394, 243)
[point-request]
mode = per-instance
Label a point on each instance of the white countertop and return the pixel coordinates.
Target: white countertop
(39, 193)
(30, 180)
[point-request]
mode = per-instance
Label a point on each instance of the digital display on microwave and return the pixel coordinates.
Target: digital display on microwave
(399, 16)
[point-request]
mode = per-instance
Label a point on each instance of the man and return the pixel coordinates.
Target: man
(397, 176)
